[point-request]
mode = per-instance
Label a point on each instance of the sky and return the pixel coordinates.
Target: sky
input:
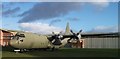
(48, 17)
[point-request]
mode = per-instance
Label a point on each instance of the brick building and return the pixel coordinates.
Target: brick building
(5, 37)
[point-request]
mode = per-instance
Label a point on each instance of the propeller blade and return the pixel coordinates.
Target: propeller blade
(57, 42)
(72, 32)
(76, 36)
(80, 31)
(53, 33)
(57, 39)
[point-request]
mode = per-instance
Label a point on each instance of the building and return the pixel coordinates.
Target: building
(98, 40)
(4, 37)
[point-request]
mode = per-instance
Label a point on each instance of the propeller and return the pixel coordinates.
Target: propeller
(76, 36)
(56, 39)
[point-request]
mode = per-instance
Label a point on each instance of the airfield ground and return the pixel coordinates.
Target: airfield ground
(64, 52)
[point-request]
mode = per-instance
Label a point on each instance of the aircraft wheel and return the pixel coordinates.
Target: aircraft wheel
(25, 50)
(21, 50)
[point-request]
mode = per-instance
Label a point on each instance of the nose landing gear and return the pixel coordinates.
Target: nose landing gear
(20, 50)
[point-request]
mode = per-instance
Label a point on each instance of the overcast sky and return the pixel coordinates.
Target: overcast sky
(45, 17)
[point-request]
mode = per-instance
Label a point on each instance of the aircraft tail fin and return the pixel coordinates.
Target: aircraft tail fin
(67, 31)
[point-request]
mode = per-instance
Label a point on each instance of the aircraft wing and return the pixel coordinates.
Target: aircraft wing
(67, 36)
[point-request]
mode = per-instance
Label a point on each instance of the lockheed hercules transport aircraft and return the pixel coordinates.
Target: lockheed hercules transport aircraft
(24, 41)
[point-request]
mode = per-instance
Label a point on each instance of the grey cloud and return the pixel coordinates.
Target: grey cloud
(54, 21)
(10, 11)
(48, 10)
(8, 5)
(5, 5)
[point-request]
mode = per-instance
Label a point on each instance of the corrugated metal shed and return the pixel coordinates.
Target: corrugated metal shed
(100, 40)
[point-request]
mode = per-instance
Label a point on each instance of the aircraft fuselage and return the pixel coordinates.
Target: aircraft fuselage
(33, 41)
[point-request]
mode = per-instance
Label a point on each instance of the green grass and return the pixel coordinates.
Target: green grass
(65, 53)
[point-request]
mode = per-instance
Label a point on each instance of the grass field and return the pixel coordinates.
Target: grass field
(65, 52)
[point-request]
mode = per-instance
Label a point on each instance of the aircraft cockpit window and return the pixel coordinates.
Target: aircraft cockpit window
(22, 35)
(18, 36)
